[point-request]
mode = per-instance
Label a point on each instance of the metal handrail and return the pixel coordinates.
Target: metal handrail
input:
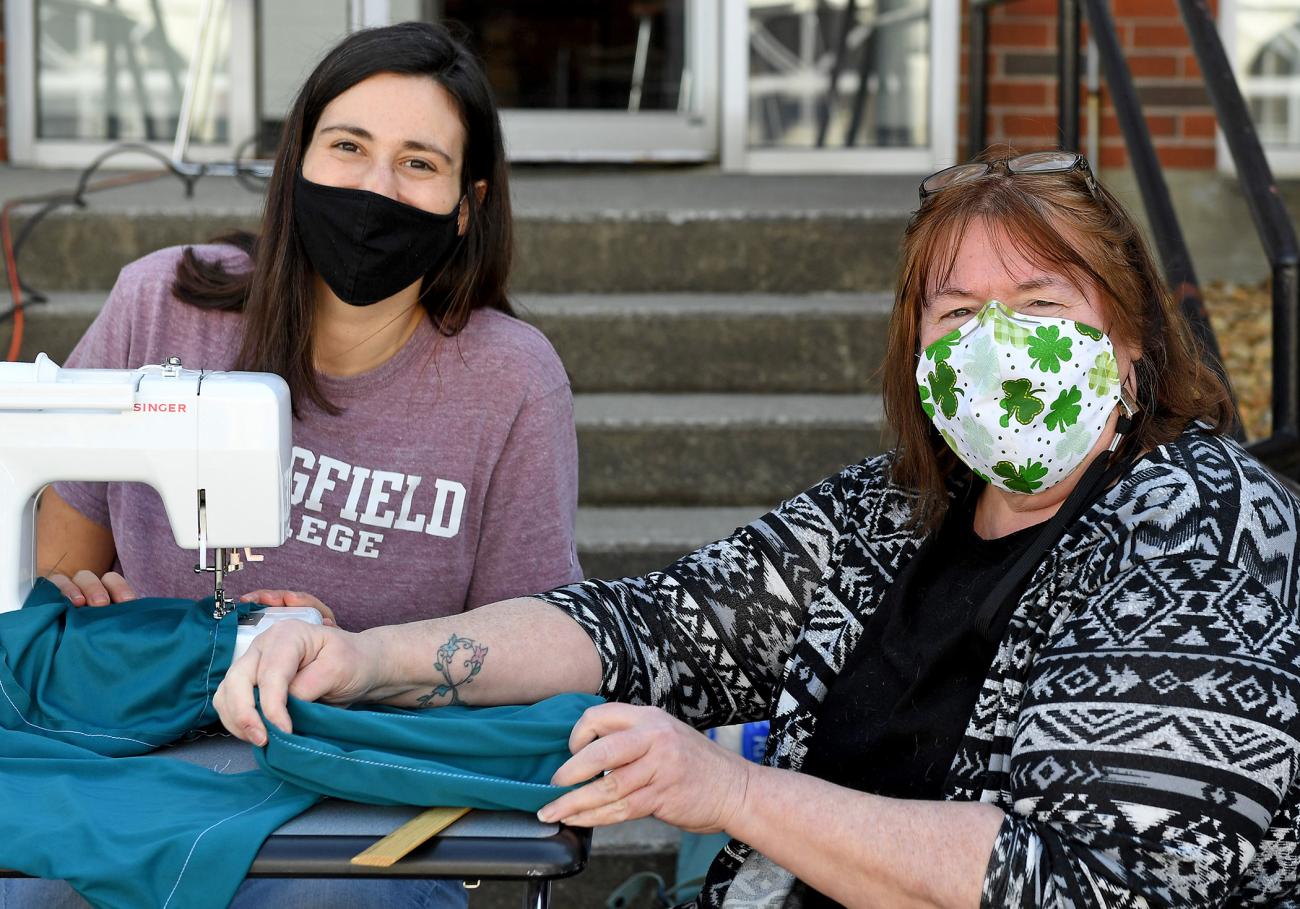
(1274, 226)
(1171, 247)
(1067, 68)
(872, 26)
(1272, 223)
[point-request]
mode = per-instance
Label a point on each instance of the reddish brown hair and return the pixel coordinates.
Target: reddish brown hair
(1059, 222)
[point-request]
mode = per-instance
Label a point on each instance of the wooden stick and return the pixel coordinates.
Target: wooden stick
(426, 824)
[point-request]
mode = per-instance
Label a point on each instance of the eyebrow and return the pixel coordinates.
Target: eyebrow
(411, 144)
(1032, 284)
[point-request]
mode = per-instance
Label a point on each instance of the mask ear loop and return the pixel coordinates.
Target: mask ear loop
(1125, 422)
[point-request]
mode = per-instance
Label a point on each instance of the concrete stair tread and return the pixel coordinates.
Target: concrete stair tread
(662, 343)
(597, 410)
(635, 230)
(68, 302)
(615, 528)
(610, 304)
(645, 834)
(623, 541)
(619, 194)
(877, 303)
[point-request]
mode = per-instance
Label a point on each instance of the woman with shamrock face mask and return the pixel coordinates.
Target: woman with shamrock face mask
(1044, 653)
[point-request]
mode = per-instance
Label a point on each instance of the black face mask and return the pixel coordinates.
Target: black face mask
(367, 246)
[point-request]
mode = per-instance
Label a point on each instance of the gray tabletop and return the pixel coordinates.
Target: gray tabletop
(335, 817)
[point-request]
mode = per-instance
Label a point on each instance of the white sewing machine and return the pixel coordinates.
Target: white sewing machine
(216, 446)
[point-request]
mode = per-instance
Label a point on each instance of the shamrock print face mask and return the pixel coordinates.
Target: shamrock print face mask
(1020, 399)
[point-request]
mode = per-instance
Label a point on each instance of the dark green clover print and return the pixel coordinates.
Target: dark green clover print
(942, 348)
(1021, 479)
(1088, 331)
(1065, 409)
(1048, 349)
(943, 386)
(1020, 399)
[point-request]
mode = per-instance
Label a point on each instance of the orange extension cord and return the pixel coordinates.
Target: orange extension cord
(15, 288)
(11, 259)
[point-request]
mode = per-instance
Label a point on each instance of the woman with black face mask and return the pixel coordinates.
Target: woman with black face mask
(435, 459)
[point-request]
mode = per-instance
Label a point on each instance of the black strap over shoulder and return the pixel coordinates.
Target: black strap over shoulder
(1101, 473)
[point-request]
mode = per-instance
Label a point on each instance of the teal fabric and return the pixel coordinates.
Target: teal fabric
(117, 680)
(85, 694)
(478, 757)
(135, 832)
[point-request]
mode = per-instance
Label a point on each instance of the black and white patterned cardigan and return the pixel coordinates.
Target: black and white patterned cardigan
(1140, 722)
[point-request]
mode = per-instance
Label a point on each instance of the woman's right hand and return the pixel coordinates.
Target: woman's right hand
(86, 589)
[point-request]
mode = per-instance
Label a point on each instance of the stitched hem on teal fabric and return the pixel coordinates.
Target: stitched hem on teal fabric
(453, 756)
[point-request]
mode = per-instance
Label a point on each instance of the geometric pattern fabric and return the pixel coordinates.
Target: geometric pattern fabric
(1139, 725)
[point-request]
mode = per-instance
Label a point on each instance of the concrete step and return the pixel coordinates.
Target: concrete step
(628, 542)
(636, 231)
(707, 449)
(54, 327)
(829, 343)
(651, 448)
(774, 253)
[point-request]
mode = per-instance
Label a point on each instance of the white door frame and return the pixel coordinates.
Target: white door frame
(26, 150)
(737, 155)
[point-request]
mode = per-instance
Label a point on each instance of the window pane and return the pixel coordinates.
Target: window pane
(116, 69)
(292, 37)
(581, 54)
(1268, 67)
(837, 73)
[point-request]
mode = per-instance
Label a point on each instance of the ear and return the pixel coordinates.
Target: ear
(462, 219)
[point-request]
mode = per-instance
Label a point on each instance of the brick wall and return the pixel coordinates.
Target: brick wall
(1021, 90)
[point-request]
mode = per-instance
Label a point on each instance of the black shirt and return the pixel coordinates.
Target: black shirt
(893, 718)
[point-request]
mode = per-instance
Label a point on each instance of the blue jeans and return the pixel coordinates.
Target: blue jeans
(274, 893)
(344, 893)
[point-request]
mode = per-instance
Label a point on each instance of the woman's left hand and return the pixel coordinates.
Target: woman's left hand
(653, 764)
(266, 597)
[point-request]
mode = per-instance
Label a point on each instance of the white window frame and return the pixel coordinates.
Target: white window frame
(738, 156)
(689, 134)
(1284, 162)
(26, 150)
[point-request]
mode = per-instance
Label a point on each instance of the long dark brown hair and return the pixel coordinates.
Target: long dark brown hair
(1060, 222)
(275, 295)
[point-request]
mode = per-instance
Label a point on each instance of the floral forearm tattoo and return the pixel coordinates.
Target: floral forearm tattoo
(459, 660)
